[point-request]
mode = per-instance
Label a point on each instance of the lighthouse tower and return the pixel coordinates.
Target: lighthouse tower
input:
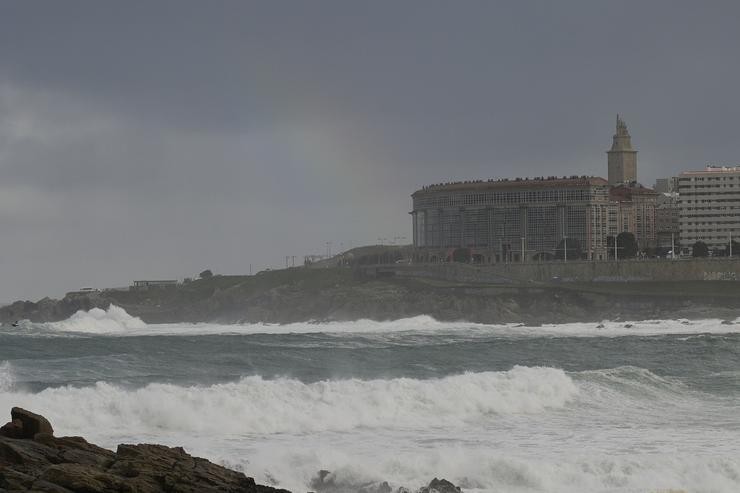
(622, 158)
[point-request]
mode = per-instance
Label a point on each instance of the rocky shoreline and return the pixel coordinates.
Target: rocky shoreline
(32, 459)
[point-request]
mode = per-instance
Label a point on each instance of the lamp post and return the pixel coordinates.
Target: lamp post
(730, 244)
(523, 254)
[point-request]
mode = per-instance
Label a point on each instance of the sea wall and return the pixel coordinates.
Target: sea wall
(580, 271)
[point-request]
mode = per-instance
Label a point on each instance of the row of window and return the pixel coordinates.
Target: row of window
(518, 197)
(707, 178)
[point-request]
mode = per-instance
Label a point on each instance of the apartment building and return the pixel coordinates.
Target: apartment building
(709, 202)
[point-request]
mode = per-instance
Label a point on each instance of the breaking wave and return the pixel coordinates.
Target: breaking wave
(115, 321)
(493, 471)
(528, 429)
(256, 405)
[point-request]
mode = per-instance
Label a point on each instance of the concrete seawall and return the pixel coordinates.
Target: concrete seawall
(578, 271)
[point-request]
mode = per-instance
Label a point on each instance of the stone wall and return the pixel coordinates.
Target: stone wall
(578, 271)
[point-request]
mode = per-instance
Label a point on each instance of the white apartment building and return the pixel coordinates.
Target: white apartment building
(709, 202)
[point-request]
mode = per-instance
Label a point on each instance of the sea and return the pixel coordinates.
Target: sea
(616, 406)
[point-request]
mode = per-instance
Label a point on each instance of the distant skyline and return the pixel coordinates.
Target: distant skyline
(157, 139)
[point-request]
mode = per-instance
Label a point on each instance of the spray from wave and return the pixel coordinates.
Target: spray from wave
(114, 320)
(6, 377)
(478, 469)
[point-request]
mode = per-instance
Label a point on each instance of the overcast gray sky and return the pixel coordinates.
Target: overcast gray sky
(153, 139)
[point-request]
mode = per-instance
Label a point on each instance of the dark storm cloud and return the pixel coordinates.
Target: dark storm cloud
(154, 139)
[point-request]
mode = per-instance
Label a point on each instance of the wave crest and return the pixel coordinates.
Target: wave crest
(116, 321)
(255, 405)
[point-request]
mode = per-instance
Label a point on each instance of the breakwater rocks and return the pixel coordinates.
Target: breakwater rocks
(33, 459)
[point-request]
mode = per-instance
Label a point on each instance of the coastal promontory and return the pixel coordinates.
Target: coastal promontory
(340, 294)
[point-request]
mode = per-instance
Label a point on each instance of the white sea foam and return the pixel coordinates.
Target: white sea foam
(523, 430)
(6, 377)
(491, 470)
(254, 405)
(116, 322)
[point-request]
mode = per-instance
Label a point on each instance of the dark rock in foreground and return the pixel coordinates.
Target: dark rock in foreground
(25, 424)
(32, 459)
(440, 486)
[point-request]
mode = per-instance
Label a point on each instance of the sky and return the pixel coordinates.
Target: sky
(155, 139)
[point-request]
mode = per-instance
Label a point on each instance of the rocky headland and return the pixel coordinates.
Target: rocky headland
(339, 294)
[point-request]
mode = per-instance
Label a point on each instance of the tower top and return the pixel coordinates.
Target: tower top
(621, 140)
(622, 158)
(621, 126)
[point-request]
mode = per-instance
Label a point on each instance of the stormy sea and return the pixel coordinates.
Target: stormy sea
(612, 407)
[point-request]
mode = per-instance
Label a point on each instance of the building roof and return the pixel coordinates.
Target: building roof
(710, 169)
(627, 191)
(515, 183)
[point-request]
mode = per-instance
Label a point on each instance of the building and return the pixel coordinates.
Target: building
(636, 206)
(622, 158)
(709, 202)
(158, 284)
(513, 220)
(667, 224)
(666, 185)
(542, 218)
(635, 203)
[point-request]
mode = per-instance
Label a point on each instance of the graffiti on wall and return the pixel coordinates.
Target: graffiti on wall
(720, 276)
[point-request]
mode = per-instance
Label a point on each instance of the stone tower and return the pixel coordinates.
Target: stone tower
(622, 158)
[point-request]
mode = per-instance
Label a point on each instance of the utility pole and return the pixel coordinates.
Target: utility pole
(673, 247)
(730, 244)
